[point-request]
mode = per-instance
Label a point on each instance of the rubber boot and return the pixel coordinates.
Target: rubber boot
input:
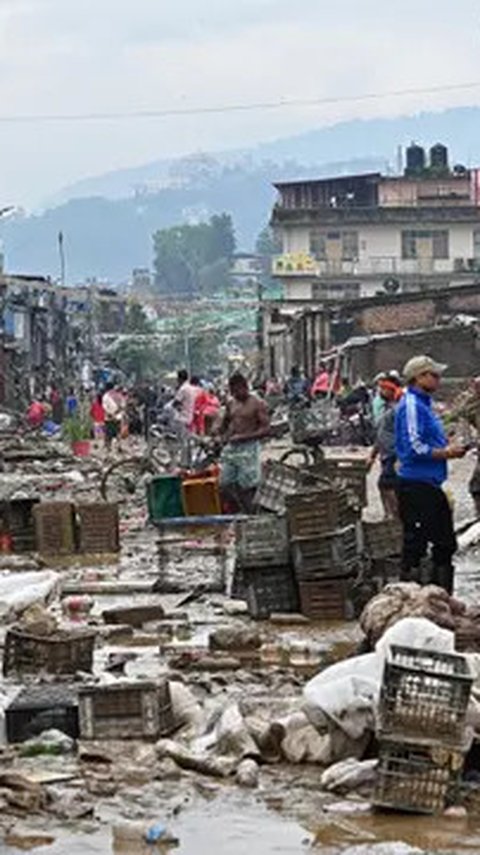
(443, 576)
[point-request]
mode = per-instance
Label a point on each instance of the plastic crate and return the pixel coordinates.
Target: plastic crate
(326, 599)
(278, 482)
(40, 708)
(55, 528)
(383, 539)
(17, 516)
(262, 540)
(98, 527)
(318, 512)
(65, 652)
(425, 694)
(126, 711)
(201, 497)
(416, 777)
(269, 590)
(353, 473)
(164, 497)
(330, 555)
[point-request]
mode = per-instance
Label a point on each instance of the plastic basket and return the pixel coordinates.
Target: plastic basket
(425, 694)
(261, 540)
(61, 653)
(279, 481)
(326, 599)
(126, 711)
(416, 777)
(317, 512)
(164, 497)
(333, 554)
(99, 528)
(269, 590)
(383, 539)
(55, 528)
(201, 497)
(40, 708)
(353, 473)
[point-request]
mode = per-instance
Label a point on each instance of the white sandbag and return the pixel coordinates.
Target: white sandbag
(18, 591)
(416, 632)
(345, 695)
(349, 775)
(187, 712)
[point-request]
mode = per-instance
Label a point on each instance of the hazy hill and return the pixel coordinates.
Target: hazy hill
(108, 220)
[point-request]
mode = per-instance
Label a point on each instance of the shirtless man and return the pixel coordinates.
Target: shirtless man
(245, 423)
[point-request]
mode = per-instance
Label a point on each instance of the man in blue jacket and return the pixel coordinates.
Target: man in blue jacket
(423, 450)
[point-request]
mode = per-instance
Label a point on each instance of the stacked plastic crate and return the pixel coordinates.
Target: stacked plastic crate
(421, 728)
(382, 542)
(263, 562)
(325, 547)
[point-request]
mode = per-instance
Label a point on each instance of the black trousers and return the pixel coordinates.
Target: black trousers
(427, 520)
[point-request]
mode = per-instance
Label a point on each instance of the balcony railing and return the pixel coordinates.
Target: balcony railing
(303, 264)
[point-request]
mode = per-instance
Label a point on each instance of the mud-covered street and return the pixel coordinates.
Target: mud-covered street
(100, 796)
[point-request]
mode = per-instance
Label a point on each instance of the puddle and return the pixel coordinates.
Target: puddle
(233, 828)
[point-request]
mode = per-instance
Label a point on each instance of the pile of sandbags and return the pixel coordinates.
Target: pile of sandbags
(407, 599)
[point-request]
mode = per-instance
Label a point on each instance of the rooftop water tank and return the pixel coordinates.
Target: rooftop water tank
(416, 159)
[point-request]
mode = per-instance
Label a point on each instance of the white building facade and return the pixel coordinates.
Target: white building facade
(363, 235)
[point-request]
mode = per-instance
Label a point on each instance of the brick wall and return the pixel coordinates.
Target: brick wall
(393, 318)
(458, 347)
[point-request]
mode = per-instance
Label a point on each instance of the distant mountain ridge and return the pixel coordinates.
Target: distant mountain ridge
(108, 220)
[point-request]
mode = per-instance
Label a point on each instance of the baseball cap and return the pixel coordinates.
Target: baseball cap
(421, 365)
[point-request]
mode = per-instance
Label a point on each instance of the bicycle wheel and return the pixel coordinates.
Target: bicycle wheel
(122, 478)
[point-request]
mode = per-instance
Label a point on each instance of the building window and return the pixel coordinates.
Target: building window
(425, 244)
(476, 244)
(350, 246)
(329, 245)
(440, 244)
(318, 244)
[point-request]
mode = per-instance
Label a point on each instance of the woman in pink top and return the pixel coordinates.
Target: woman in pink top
(321, 384)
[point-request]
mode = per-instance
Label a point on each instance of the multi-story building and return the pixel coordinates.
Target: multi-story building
(361, 235)
(49, 332)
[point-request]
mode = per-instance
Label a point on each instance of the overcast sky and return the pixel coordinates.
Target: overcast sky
(89, 56)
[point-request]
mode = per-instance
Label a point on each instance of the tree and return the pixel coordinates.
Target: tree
(136, 320)
(183, 252)
(268, 243)
(138, 359)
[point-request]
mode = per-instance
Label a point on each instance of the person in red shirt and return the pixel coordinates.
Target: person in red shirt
(36, 414)
(97, 414)
(206, 409)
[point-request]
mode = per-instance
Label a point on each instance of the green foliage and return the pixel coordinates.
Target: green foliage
(136, 320)
(137, 358)
(77, 429)
(183, 254)
(268, 243)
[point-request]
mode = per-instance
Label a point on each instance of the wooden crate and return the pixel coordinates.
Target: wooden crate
(98, 528)
(64, 652)
(55, 528)
(126, 711)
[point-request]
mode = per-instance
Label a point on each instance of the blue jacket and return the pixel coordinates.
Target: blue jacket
(417, 432)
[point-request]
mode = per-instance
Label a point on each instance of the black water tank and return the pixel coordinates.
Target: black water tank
(439, 157)
(415, 159)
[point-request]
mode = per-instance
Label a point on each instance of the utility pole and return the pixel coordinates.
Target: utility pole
(61, 252)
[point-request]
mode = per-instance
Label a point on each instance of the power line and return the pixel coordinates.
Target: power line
(282, 103)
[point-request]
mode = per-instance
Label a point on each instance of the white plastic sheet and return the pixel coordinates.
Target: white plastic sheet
(18, 591)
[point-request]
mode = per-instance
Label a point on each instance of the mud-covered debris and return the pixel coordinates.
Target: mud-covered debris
(235, 638)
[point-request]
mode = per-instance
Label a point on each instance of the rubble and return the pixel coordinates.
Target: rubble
(258, 706)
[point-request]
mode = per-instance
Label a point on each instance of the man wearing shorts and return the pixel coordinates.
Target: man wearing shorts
(245, 423)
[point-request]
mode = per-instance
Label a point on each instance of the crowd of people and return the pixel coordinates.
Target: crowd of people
(411, 441)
